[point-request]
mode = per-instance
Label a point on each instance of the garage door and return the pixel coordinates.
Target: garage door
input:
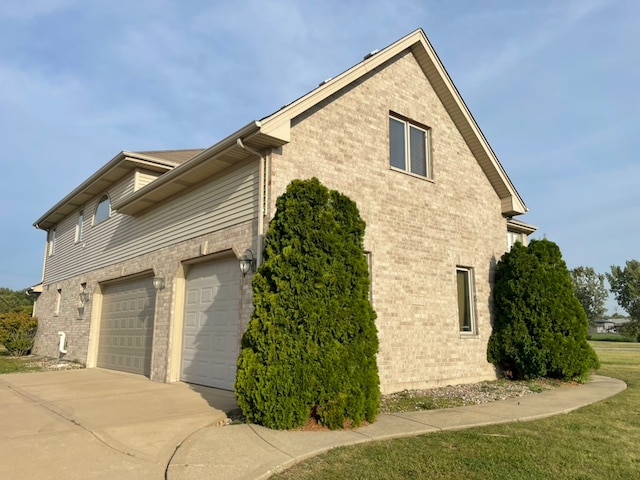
(126, 326)
(211, 335)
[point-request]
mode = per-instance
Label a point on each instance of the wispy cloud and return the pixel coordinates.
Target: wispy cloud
(533, 29)
(28, 10)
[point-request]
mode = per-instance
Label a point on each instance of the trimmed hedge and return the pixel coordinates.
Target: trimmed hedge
(540, 328)
(309, 351)
(18, 332)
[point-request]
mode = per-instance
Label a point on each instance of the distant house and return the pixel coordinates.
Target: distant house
(141, 269)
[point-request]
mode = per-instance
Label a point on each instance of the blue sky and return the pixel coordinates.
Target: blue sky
(553, 85)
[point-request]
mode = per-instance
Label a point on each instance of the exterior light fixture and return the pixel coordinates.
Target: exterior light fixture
(85, 295)
(158, 281)
(247, 262)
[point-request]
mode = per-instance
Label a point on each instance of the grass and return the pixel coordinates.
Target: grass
(10, 364)
(611, 337)
(599, 441)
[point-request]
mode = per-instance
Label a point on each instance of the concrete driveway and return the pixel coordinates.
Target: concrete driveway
(98, 424)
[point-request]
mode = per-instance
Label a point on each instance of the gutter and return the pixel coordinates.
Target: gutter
(261, 196)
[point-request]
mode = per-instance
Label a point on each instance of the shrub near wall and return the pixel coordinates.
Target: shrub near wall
(17, 332)
(309, 349)
(540, 328)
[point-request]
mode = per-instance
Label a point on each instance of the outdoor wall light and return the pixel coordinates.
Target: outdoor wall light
(85, 295)
(247, 262)
(158, 282)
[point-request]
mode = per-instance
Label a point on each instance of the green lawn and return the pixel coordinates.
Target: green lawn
(14, 365)
(601, 441)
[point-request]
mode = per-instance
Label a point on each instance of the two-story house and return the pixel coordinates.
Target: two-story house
(142, 259)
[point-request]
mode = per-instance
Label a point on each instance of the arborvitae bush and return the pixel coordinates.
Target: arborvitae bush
(540, 328)
(309, 351)
(17, 332)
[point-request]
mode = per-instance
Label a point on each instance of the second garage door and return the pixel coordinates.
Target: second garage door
(126, 326)
(211, 337)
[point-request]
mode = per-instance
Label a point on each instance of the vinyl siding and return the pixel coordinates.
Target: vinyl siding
(228, 200)
(144, 178)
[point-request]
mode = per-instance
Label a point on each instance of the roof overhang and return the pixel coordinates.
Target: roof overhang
(417, 43)
(520, 227)
(117, 168)
(209, 162)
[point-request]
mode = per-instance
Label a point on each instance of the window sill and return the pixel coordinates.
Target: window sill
(414, 175)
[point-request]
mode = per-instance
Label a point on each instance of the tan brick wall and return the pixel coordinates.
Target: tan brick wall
(417, 230)
(169, 261)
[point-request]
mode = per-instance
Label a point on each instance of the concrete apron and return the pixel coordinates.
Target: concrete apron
(98, 423)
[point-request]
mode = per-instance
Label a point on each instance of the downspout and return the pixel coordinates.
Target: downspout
(261, 196)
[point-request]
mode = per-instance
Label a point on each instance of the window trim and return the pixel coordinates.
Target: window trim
(79, 225)
(51, 242)
(58, 302)
(408, 125)
(470, 297)
(103, 198)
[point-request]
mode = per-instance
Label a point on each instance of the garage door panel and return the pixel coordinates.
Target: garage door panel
(126, 327)
(211, 337)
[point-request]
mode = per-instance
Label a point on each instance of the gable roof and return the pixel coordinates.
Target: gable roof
(118, 167)
(275, 130)
(419, 45)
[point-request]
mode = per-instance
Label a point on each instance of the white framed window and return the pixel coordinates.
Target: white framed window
(466, 316)
(409, 147)
(103, 210)
(512, 238)
(51, 242)
(79, 226)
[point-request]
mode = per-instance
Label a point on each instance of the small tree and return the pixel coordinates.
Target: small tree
(540, 327)
(15, 301)
(625, 285)
(17, 332)
(310, 348)
(590, 291)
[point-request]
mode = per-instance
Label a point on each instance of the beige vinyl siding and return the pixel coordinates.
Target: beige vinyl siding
(123, 188)
(144, 178)
(229, 200)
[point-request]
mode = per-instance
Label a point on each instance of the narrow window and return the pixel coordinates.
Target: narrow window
(79, 226)
(409, 147)
(103, 210)
(512, 238)
(369, 265)
(51, 242)
(58, 298)
(465, 303)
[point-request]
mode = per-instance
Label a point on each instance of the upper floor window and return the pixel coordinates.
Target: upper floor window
(512, 238)
(51, 242)
(464, 282)
(409, 147)
(79, 226)
(103, 210)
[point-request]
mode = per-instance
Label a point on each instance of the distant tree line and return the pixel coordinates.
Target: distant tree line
(15, 301)
(624, 283)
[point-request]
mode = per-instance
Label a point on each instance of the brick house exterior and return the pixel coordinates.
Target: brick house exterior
(436, 226)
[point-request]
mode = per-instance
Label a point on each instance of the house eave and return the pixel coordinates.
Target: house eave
(520, 227)
(209, 162)
(118, 167)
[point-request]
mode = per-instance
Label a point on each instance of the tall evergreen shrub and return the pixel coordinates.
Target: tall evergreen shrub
(540, 328)
(310, 348)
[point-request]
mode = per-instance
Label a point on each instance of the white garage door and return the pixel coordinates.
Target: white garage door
(126, 326)
(211, 337)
